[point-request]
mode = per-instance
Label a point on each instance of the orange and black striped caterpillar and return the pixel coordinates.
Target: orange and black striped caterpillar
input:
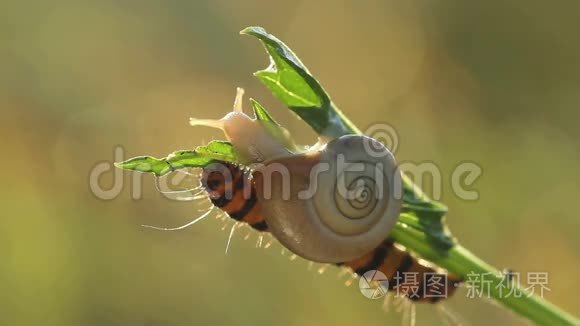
(225, 183)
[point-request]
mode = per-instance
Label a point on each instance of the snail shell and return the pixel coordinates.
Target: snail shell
(332, 205)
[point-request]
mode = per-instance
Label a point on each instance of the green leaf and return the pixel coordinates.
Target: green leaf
(429, 223)
(293, 84)
(188, 159)
(159, 166)
(218, 150)
(198, 158)
(286, 76)
(261, 113)
(274, 129)
(288, 85)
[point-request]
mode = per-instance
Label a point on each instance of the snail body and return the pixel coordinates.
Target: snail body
(254, 140)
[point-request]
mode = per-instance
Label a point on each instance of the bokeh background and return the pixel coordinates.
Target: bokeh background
(494, 82)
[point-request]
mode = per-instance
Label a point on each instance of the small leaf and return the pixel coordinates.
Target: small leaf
(198, 158)
(261, 113)
(434, 231)
(188, 159)
(293, 84)
(286, 76)
(145, 164)
(219, 149)
(284, 82)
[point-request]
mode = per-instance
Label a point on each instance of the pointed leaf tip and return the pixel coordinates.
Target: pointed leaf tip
(261, 113)
(253, 30)
(292, 83)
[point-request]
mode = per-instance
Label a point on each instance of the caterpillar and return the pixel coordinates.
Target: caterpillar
(231, 188)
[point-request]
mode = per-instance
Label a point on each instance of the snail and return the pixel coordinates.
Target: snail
(331, 203)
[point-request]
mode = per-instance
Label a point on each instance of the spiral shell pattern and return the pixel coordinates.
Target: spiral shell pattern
(342, 201)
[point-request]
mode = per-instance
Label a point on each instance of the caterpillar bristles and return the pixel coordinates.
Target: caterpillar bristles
(231, 236)
(387, 302)
(270, 241)
(449, 316)
(259, 242)
(203, 216)
(322, 269)
(293, 257)
(408, 313)
(352, 278)
(399, 303)
(342, 272)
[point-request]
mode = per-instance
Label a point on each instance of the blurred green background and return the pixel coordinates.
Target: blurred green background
(493, 82)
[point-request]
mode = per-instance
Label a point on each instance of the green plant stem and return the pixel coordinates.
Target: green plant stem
(462, 262)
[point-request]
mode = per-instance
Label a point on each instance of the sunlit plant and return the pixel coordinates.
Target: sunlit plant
(421, 224)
